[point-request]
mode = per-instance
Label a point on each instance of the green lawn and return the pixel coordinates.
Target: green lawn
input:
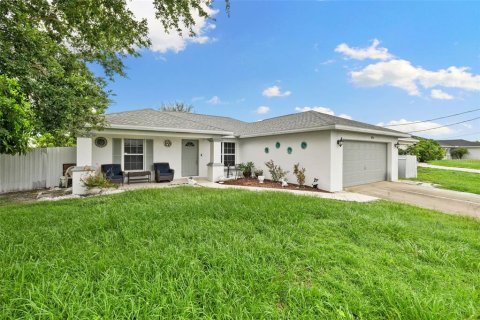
(449, 179)
(470, 164)
(197, 252)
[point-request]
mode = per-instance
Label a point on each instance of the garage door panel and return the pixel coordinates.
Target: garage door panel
(364, 162)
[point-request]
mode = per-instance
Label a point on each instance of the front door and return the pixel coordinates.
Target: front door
(189, 158)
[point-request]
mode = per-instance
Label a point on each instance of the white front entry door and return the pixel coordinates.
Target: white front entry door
(364, 162)
(189, 158)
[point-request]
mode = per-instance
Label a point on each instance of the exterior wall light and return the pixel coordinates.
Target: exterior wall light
(397, 145)
(340, 142)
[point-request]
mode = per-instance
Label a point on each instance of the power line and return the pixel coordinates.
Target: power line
(447, 125)
(449, 116)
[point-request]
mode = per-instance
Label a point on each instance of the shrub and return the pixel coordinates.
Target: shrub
(258, 172)
(247, 168)
(300, 174)
(98, 181)
(458, 153)
(426, 150)
(276, 172)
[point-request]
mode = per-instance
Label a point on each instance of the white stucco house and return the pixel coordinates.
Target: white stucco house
(472, 147)
(336, 151)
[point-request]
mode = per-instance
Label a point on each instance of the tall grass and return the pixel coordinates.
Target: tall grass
(196, 252)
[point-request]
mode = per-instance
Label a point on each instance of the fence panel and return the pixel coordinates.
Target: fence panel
(407, 166)
(39, 168)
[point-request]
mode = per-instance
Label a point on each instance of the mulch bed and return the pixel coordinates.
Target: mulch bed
(250, 182)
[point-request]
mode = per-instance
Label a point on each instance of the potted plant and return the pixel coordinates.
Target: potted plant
(259, 175)
(247, 169)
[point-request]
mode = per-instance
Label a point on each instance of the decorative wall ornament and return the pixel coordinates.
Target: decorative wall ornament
(303, 145)
(267, 150)
(277, 145)
(167, 143)
(289, 150)
(101, 142)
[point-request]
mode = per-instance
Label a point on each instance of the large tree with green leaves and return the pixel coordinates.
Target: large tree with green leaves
(47, 46)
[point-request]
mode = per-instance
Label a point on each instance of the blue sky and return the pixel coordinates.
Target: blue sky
(377, 62)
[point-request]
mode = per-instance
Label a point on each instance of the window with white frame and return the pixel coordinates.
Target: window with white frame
(228, 153)
(133, 154)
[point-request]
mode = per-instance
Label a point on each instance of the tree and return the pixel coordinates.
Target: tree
(177, 106)
(47, 46)
(426, 150)
(15, 117)
(458, 153)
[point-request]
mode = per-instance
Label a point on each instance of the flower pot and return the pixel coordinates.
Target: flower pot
(261, 179)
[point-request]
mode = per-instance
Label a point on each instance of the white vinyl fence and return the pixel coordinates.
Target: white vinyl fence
(407, 167)
(40, 168)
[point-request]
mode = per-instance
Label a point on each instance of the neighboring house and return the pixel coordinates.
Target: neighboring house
(472, 147)
(336, 151)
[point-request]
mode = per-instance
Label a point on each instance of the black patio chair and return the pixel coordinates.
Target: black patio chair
(113, 172)
(163, 172)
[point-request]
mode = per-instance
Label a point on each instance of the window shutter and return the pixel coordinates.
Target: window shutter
(116, 151)
(149, 155)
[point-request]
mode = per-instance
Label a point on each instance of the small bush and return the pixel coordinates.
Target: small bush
(258, 172)
(276, 172)
(300, 174)
(98, 181)
(246, 168)
(426, 150)
(458, 153)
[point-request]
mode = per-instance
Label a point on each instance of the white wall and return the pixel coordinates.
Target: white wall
(315, 158)
(473, 154)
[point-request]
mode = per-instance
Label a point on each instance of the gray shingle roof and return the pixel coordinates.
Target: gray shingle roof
(192, 121)
(458, 143)
(156, 119)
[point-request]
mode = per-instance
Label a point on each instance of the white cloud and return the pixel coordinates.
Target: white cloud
(371, 52)
(263, 109)
(345, 116)
(275, 91)
(396, 73)
(162, 41)
(214, 100)
(408, 126)
(404, 75)
(441, 95)
(322, 110)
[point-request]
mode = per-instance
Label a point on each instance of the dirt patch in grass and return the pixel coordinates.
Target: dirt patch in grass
(31, 196)
(250, 182)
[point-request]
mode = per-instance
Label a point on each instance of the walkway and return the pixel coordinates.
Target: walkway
(426, 165)
(425, 196)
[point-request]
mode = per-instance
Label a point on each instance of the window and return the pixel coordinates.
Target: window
(228, 153)
(133, 154)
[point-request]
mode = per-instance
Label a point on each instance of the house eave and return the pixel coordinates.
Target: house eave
(156, 129)
(330, 127)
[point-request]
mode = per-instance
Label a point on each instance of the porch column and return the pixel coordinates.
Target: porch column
(84, 165)
(215, 166)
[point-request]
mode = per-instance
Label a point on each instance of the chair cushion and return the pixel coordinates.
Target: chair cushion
(112, 170)
(162, 167)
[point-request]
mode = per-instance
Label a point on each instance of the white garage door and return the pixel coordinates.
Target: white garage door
(364, 162)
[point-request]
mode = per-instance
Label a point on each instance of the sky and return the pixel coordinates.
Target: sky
(377, 62)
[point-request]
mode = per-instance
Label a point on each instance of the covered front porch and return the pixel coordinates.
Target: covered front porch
(189, 155)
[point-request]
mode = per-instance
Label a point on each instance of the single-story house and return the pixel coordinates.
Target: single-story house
(472, 147)
(337, 152)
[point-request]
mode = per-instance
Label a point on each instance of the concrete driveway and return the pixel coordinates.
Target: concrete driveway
(424, 196)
